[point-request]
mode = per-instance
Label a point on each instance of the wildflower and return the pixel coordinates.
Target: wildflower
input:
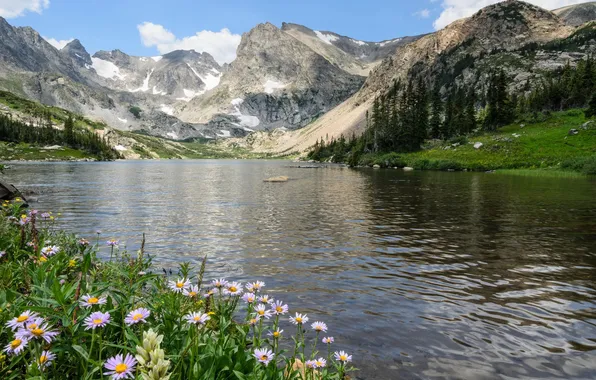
(310, 364)
(43, 259)
(299, 319)
(97, 319)
(89, 301)
(142, 273)
(192, 291)
(30, 244)
(254, 321)
(18, 322)
(137, 316)
(319, 326)
(255, 286)
(46, 215)
(197, 318)
(98, 232)
(179, 286)
(151, 358)
(275, 334)
(24, 220)
(120, 367)
(62, 282)
(320, 363)
(249, 297)
(263, 355)
(2, 253)
(263, 312)
(33, 212)
(209, 293)
(45, 359)
(279, 308)
(221, 283)
(328, 340)
(72, 263)
(233, 289)
(83, 242)
(342, 356)
(112, 242)
(50, 250)
(265, 299)
(16, 346)
(17, 200)
(37, 329)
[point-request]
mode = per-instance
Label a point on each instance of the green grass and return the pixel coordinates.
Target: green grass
(29, 152)
(547, 173)
(543, 145)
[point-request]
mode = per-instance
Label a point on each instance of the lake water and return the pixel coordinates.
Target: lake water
(420, 275)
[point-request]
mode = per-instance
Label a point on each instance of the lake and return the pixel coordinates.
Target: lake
(420, 275)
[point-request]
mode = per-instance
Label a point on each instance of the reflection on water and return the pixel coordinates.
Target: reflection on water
(420, 275)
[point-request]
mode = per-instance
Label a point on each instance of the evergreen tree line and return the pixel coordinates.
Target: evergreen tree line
(405, 116)
(44, 134)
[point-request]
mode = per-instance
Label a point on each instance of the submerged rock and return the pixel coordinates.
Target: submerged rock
(281, 178)
(408, 169)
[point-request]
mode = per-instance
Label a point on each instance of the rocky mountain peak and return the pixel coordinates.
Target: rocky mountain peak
(78, 53)
(576, 15)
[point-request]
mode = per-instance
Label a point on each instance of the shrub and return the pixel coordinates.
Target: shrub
(136, 111)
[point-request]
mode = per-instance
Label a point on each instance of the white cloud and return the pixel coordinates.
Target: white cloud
(456, 9)
(423, 13)
(16, 8)
(221, 45)
(58, 44)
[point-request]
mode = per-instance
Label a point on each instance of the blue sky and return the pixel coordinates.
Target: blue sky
(111, 24)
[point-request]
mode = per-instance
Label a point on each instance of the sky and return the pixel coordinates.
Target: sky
(154, 27)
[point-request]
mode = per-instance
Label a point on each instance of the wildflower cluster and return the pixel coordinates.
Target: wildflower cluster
(64, 313)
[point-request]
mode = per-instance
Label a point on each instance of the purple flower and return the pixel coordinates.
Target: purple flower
(137, 316)
(112, 242)
(97, 319)
(263, 355)
(45, 359)
(33, 212)
(120, 367)
(83, 242)
(24, 220)
(46, 215)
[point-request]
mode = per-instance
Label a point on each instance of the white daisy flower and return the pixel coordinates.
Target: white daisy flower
(275, 334)
(219, 283)
(262, 312)
(265, 299)
(249, 297)
(88, 301)
(343, 357)
(192, 291)
(197, 318)
(328, 340)
(278, 308)
(263, 355)
(179, 285)
(233, 288)
(319, 326)
(299, 319)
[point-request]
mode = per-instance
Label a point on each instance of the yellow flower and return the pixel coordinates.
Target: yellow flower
(72, 263)
(43, 259)
(17, 199)
(211, 313)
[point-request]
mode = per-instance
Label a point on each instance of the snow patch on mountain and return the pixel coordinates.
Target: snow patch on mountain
(107, 69)
(224, 133)
(157, 92)
(211, 81)
(326, 38)
(381, 44)
(167, 109)
(157, 59)
(270, 86)
(172, 135)
(145, 86)
(123, 120)
(245, 120)
(357, 42)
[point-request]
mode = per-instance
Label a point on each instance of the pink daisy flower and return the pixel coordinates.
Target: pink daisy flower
(120, 367)
(97, 319)
(137, 316)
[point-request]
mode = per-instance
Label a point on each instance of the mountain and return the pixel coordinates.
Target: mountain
(576, 15)
(354, 56)
(464, 52)
(275, 81)
(180, 75)
(284, 77)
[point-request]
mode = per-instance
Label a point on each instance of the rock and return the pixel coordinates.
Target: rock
(281, 178)
(8, 191)
(408, 169)
(585, 126)
(522, 125)
(376, 166)
(516, 135)
(478, 145)
(573, 132)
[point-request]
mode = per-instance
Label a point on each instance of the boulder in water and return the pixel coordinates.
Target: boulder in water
(281, 178)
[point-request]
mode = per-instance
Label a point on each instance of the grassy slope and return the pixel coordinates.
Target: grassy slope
(542, 145)
(163, 148)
